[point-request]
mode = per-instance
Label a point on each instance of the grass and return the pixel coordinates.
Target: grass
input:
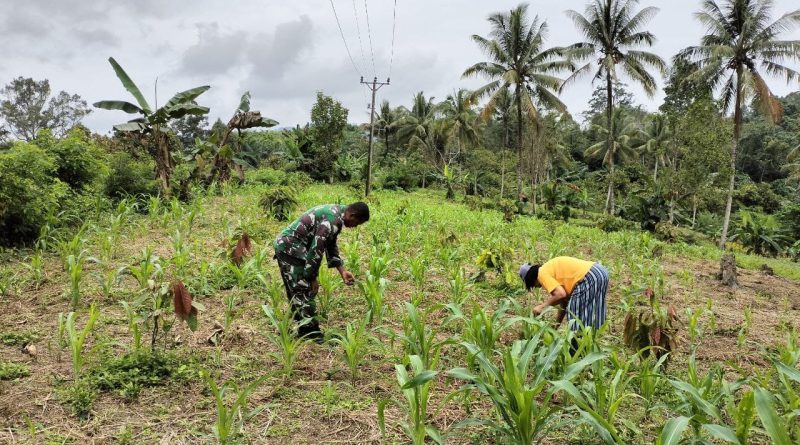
(333, 396)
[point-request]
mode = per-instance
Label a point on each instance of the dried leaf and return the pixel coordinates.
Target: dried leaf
(672, 312)
(243, 247)
(182, 302)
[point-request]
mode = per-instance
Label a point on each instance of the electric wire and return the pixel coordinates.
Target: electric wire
(360, 40)
(346, 47)
(394, 26)
(369, 33)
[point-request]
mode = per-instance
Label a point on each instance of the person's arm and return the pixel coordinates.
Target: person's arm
(559, 298)
(335, 261)
(317, 249)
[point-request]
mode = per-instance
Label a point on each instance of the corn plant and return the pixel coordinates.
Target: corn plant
(231, 416)
(108, 281)
(519, 390)
(289, 345)
(699, 407)
(147, 270)
(788, 394)
(416, 392)
(230, 303)
(782, 430)
(74, 246)
(420, 340)
(458, 285)
(134, 319)
(374, 289)
(36, 267)
(180, 253)
(75, 339)
(380, 261)
(418, 265)
(599, 399)
(744, 330)
(481, 329)
(742, 416)
(354, 342)
(328, 285)
(75, 271)
(352, 256)
(650, 377)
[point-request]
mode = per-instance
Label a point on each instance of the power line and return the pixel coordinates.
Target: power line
(369, 33)
(394, 25)
(358, 29)
(350, 56)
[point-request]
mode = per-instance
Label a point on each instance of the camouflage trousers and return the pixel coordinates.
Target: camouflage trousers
(298, 287)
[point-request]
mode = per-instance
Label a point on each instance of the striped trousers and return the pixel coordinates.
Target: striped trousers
(587, 304)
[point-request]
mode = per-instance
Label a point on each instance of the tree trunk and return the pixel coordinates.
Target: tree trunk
(503, 175)
(694, 211)
(655, 171)
(737, 129)
(727, 270)
(610, 143)
(163, 162)
(519, 138)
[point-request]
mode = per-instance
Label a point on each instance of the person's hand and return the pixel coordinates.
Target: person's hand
(349, 278)
(314, 287)
(538, 309)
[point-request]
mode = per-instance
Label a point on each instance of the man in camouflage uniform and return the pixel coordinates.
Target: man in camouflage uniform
(299, 249)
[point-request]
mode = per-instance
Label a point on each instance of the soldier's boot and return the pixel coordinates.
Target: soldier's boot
(308, 326)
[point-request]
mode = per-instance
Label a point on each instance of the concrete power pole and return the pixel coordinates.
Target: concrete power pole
(373, 86)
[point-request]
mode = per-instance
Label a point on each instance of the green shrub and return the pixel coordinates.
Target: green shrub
(78, 160)
(611, 223)
(403, 175)
(128, 374)
(18, 338)
(129, 177)
(760, 234)
(13, 371)
(266, 176)
(279, 202)
(28, 192)
(79, 398)
(673, 233)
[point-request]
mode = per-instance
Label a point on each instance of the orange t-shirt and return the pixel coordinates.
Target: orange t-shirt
(563, 271)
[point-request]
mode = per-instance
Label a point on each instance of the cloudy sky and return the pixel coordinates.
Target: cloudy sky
(284, 51)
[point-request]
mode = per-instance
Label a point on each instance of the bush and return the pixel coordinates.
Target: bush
(128, 374)
(760, 234)
(277, 178)
(79, 398)
(669, 232)
(78, 160)
(13, 371)
(129, 177)
(403, 175)
(758, 195)
(279, 202)
(611, 223)
(28, 192)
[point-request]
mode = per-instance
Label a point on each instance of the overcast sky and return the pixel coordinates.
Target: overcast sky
(285, 51)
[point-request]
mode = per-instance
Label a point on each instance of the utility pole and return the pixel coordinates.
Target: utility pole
(373, 86)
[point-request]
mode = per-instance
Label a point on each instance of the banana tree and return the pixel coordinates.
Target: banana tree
(227, 155)
(154, 121)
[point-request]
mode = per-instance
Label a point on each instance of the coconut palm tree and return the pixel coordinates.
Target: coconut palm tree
(613, 33)
(501, 108)
(459, 109)
(618, 131)
(741, 45)
(654, 140)
(518, 59)
(388, 120)
(417, 122)
(793, 167)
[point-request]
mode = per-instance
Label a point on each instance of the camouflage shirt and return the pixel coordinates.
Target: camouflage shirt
(311, 235)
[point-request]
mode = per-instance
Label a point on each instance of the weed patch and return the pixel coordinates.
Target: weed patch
(130, 373)
(13, 371)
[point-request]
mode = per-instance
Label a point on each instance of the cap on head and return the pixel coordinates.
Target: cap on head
(529, 274)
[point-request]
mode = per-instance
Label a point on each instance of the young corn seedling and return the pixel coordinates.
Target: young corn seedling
(418, 265)
(108, 281)
(416, 391)
(744, 330)
(420, 340)
(75, 339)
(75, 271)
(134, 320)
(230, 302)
(36, 268)
(458, 285)
(328, 285)
(781, 429)
(374, 289)
(180, 252)
(650, 377)
(520, 390)
(354, 342)
(352, 256)
(481, 329)
(700, 407)
(231, 416)
(147, 270)
(599, 399)
(743, 416)
(289, 345)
